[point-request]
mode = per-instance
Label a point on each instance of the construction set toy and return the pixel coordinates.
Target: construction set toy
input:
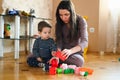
(59, 55)
(7, 29)
(20, 12)
(67, 69)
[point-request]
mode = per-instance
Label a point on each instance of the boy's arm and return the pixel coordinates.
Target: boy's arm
(53, 47)
(36, 48)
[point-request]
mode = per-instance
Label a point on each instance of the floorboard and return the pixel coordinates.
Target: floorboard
(106, 67)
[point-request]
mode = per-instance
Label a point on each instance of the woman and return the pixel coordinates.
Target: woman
(71, 33)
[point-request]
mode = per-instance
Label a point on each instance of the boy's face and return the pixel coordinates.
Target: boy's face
(45, 33)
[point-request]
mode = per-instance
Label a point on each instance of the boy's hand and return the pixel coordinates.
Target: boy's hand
(53, 53)
(39, 59)
(54, 58)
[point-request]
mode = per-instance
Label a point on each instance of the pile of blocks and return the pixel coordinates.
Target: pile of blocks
(67, 69)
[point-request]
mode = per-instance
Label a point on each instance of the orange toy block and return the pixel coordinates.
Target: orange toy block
(90, 71)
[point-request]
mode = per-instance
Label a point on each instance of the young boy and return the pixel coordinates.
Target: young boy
(43, 46)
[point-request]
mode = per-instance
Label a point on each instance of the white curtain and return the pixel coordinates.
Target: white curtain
(114, 15)
(109, 26)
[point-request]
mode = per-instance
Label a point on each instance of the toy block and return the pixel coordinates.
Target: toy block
(64, 66)
(52, 70)
(59, 70)
(90, 71)
(72, 66)
(68, 71)
(77, 70)
(54, 63)
(84, 73)
(59, 55)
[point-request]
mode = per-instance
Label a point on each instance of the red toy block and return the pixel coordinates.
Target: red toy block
(59, 55)
(52, 70)
(54, 63)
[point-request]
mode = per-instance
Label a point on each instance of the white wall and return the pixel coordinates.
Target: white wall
(43, 8)
(89, 8)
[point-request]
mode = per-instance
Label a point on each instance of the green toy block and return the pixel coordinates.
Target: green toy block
(68, 71)
(71, 70)
(119, 59)
(59, 70)
(86, 74)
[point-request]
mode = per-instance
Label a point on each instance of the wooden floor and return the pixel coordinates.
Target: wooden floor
(105, 67)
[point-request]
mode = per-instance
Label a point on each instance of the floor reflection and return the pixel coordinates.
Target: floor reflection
(16, 70)
(1, 69)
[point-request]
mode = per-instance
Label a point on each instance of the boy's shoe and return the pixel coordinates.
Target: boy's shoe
(46, 67)
(41, 65)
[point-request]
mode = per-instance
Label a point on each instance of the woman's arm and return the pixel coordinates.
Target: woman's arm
(68, 52)
(82, 42)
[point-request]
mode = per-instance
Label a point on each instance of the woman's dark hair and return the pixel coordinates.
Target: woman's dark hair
(74, 31)
(43, 24)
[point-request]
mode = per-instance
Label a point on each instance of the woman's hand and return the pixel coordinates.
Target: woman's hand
(66, 53)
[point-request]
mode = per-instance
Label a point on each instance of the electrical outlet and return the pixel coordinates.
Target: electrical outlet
(92, 29)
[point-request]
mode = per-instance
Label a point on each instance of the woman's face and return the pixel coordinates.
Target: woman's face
(64, 15)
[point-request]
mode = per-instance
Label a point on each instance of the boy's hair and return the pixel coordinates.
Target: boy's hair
(43, 24)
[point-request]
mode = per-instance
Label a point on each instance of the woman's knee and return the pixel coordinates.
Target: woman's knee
(79, 62)
(76, 59)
